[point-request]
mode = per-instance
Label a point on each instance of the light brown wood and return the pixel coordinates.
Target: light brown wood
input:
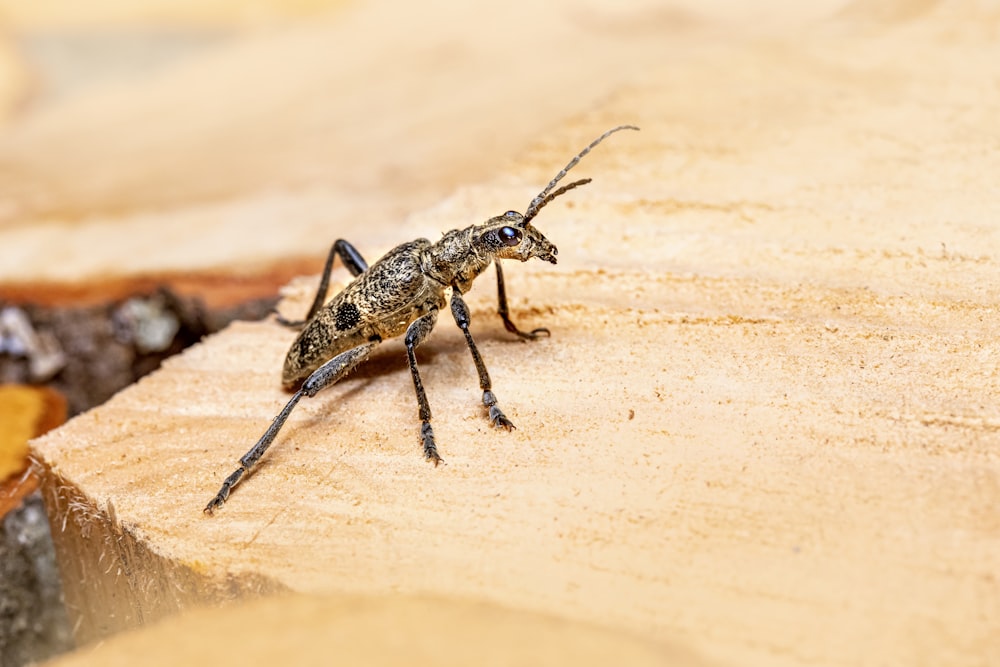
(764, 428)
(13, 80)
(100, 14)
(376, 631)
(263, 148)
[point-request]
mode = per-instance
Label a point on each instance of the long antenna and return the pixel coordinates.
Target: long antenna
(544, 197)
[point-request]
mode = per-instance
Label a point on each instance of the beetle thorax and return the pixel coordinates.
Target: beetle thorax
(455, 259)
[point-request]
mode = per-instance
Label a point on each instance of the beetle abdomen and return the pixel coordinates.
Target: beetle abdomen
(322, 339)
(379, 304)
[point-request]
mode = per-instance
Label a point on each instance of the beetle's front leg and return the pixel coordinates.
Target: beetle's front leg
(462, 319)
(505, 313)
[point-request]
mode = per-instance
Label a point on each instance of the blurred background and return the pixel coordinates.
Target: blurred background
(175, 136)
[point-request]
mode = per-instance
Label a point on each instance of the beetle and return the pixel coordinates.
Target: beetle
(401, 295)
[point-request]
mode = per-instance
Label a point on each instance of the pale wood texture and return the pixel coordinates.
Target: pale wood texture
(101, 14)
(763, 429)
(374, 632)
(265, 147)
(13, 80)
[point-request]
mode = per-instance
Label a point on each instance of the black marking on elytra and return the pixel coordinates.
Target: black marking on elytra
(347, 316)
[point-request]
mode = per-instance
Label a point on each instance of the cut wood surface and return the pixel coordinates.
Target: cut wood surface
(376, 631)
(763, 429)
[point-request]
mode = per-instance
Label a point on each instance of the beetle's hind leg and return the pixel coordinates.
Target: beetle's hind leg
(324, 376)
(462, 319)
(354, 262)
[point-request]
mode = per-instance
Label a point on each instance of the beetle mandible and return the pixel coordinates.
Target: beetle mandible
(401, 294)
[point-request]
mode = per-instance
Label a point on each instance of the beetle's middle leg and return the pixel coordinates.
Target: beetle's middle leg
(462, 319)
(415, 334)
(324, 376)
(354, 262)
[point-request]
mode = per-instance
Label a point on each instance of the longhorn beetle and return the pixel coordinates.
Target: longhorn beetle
(402, 293)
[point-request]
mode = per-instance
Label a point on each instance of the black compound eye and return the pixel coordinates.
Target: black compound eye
(510, 236)
(511, 214)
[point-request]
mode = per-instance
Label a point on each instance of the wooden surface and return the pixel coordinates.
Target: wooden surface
(256, 150)
(763, 429)
(13, 80)
(377, 631)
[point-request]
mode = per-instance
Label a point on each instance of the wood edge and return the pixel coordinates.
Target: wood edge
(217, 288)
(112, 579)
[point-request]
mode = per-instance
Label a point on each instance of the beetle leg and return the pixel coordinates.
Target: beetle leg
(354, 262)
(462, 319)
(505, 314)
(415, 334)
(324, 376)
